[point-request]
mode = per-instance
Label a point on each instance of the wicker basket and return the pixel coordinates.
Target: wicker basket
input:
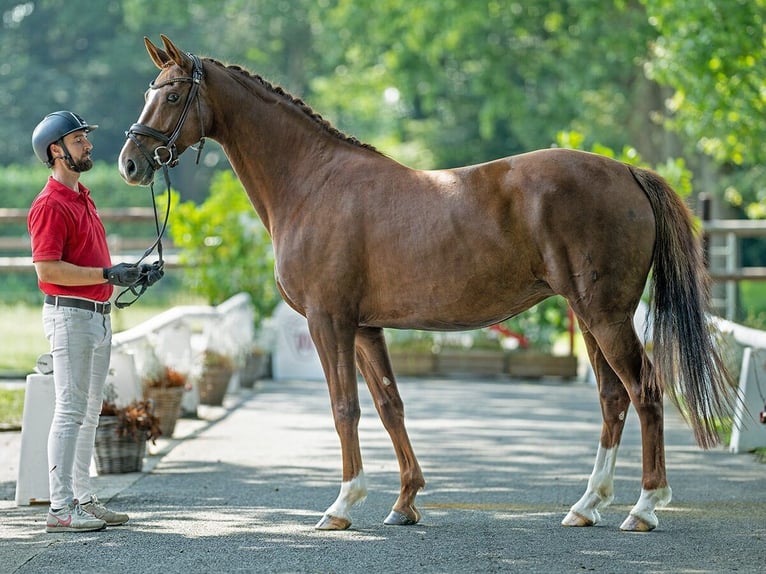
(167, 406)
(116, 454)
(213, 384)
(254, 369)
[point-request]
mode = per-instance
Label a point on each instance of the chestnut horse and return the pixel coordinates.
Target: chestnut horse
(362, 242)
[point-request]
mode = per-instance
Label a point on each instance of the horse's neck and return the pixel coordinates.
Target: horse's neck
(275, 178)
(278, 152)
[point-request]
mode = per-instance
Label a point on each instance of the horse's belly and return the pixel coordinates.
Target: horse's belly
(449, 303)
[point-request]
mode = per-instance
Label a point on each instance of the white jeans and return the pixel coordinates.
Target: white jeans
(81, 345)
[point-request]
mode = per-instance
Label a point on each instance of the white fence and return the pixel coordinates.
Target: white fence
(748, 432)
(177, 338)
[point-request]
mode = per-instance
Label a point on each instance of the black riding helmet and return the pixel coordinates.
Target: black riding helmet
(53, 128)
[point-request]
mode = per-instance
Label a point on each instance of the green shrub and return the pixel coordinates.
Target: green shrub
(224, 247)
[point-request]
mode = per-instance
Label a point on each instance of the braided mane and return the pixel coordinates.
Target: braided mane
(303, 106)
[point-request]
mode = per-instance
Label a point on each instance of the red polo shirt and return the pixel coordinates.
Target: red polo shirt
(64, 225)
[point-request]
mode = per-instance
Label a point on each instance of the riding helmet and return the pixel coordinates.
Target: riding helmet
(52, 128)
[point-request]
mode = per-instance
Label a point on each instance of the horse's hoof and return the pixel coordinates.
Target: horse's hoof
(396, 518)
(636, 524)
(329, 522)
(574, 519)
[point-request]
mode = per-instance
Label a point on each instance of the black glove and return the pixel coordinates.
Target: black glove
(122, 274)
(150, 274)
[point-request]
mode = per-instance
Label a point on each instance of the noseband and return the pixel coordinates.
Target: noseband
(168, 143)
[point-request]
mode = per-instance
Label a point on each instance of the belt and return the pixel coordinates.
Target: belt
(88, 305)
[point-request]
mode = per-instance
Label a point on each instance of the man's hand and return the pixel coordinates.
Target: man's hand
(150, 274)
(122, 274)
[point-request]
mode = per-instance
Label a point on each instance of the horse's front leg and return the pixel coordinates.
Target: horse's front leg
(375, 365)
(334, 341)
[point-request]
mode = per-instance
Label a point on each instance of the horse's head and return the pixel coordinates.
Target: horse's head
(171, 120)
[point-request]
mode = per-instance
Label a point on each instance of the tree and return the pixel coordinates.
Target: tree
(482, 80)
(711, 54)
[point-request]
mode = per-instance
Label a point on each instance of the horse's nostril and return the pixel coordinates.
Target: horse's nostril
(130, 167)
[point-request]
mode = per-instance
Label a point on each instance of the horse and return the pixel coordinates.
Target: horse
(362, 243)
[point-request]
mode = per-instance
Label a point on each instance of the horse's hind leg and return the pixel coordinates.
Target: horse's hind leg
(620, 348)
(614, 405)
(375, 365)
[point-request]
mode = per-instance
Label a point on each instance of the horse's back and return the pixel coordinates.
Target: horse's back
(480, 243)
(579, 219)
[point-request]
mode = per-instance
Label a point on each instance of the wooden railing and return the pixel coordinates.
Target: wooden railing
(121, 247)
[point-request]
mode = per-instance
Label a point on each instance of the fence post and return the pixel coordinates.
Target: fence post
(747, 431)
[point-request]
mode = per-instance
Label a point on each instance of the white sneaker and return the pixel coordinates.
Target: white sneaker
(72, 518)
(98, 510)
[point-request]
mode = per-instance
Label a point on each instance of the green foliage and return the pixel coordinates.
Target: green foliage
(712, 54)
(753, 302)
(11, 407)
(542, 324)
(21, 183)
(483, 80)
(224, 247)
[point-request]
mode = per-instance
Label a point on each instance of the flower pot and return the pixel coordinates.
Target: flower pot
(413, 363)
(254, 369)
(483, 362)
(116, 454)
(213, 384)
(534, 365)
(167, 406)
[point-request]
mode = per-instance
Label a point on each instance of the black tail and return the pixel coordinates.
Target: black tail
(688, 365)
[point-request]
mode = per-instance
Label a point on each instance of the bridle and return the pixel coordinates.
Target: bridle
(167, 147)
(168, 143)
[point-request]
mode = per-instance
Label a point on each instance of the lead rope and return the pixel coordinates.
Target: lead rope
(140, 286)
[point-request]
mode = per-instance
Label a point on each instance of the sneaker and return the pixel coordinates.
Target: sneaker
(72, 518)
(98, 510)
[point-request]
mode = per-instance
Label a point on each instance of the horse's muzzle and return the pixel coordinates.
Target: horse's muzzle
(135, 173)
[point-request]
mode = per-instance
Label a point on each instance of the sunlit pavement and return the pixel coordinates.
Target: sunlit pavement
(240, 490)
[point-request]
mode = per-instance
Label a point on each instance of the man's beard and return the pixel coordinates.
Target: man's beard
(82, 165)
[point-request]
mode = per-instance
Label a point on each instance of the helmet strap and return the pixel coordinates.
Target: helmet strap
(68, 157)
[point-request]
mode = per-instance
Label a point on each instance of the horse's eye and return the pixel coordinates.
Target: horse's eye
(172, 98)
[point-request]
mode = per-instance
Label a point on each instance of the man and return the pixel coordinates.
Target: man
(74, 270)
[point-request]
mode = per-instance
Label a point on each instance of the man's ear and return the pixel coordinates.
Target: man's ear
(55, 150)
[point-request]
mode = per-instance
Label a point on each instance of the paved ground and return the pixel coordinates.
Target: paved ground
(504, 460)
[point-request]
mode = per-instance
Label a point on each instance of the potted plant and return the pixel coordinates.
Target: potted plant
(165, 391)
(411, 352)
(216, 371)
(163, 385)
(122, 434)
(255, 366)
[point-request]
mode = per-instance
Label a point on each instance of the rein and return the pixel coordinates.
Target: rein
(168, 146)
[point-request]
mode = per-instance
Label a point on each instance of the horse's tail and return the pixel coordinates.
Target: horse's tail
(687, 363)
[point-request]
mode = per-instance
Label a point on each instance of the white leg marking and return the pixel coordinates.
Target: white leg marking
(386, 381)
(351, 493)
(648, 501)
(600, 491)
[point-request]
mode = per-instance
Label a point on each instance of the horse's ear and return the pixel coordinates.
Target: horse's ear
(179, 57)
(159, 57)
